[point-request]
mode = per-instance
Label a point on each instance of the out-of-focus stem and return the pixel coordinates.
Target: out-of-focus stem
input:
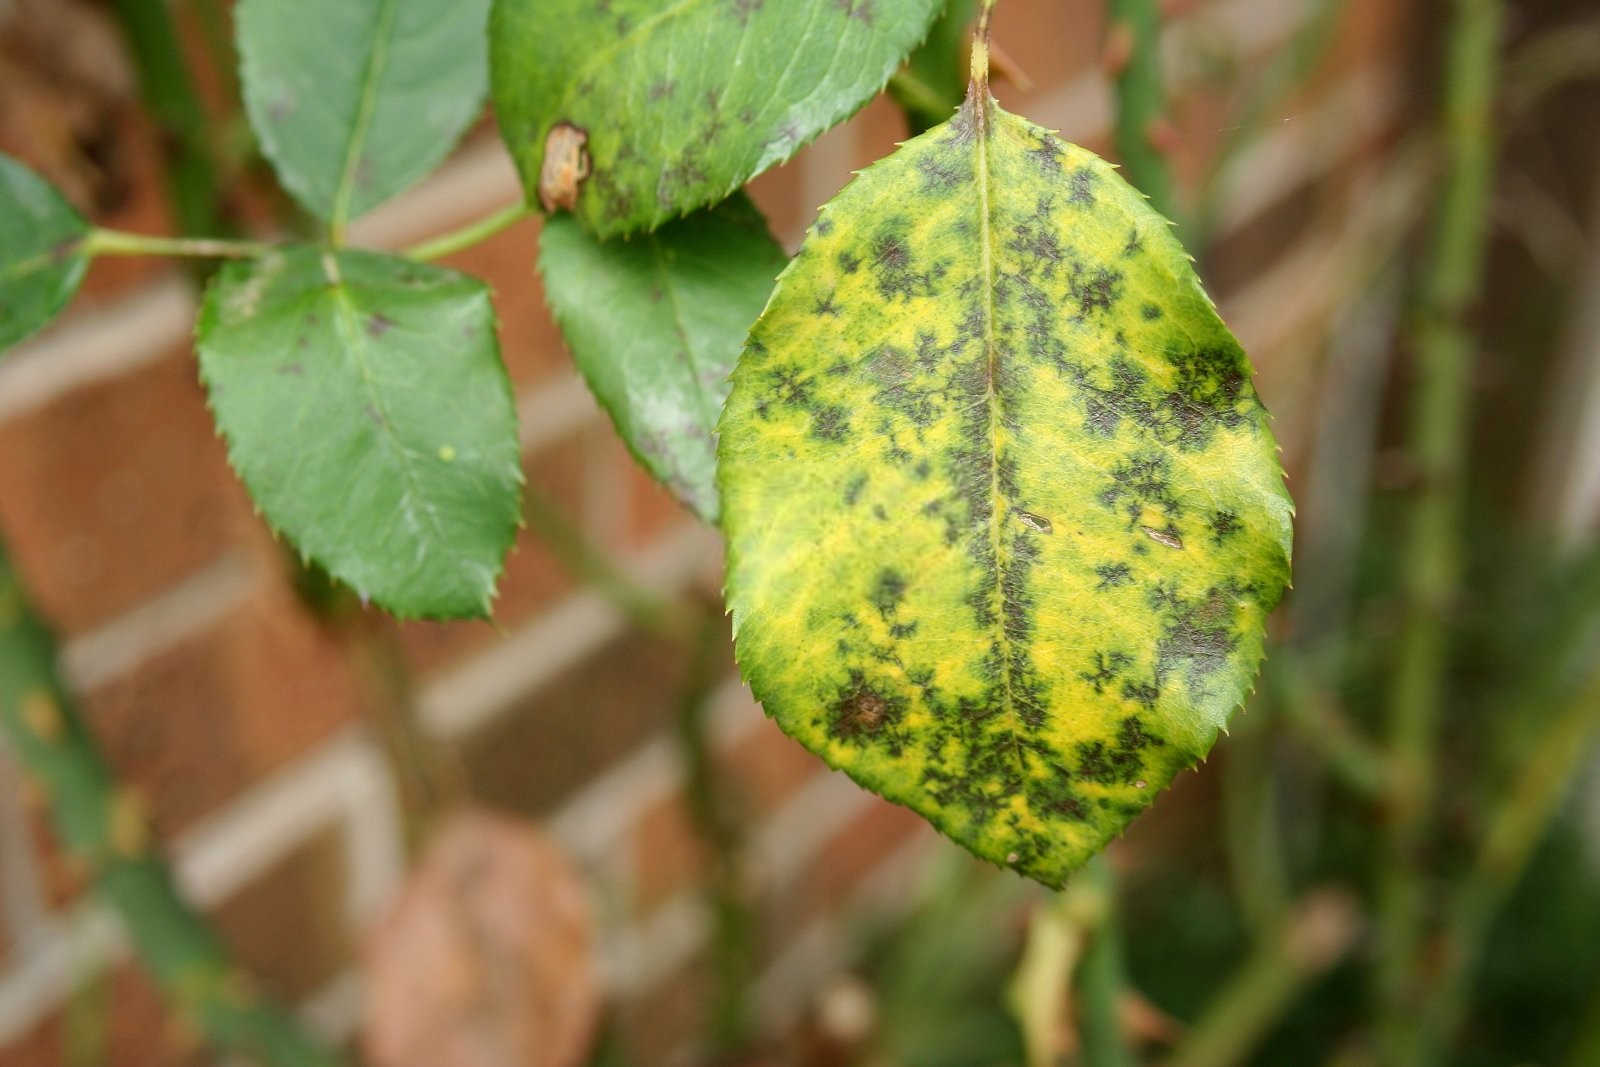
(103, 825)
(1250, 824)
(1431, 556)
(1102, 977)
(1141, 101)
(169, 93)
(1516, 827)
(1312, 938)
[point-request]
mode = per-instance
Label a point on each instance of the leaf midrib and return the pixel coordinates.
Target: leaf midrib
(377, 60)
(349, 328)
(981, 101)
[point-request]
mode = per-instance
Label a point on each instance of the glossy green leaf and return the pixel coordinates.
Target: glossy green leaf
(41, 254)
(656, 324)
(1004, 514)
(366, 408)
(356, 99)
(657, 108)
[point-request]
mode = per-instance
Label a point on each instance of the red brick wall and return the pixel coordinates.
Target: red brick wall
(242, 716)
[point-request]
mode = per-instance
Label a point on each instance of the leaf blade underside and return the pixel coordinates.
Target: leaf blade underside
(683, 102)
(41, 252)
(656, 324)
(1004, 515)
(366, 409)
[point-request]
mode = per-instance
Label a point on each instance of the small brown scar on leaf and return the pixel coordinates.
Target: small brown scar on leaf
(1165, 537)
(566, 165)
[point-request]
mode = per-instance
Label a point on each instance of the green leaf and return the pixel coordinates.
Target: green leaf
(355, 100)
(658, 107)
(42, 260)
(1004, 515)
(931, 84)
(656, 324)
(366, 408)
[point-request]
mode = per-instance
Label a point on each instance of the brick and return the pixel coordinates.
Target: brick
(116, 491)
(530, 342)
(287, 928)
(768, 767)
(668, 854)
(651, 509)
(846, 859)
(137, 1030)
(586, 720)
(224, 708)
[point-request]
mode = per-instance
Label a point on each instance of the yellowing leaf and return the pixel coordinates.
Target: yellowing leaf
(1004, 515)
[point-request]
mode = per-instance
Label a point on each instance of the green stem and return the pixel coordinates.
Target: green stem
(470, 234)
(716, 823)
(1141, 100)
(1357, 762)
(646, 609)
(169, 95)
(102, 242)
(1517, 826)
(1585, 1050)
(101, 823)
(1252, 833)
(1307, 943)
(1102, 977)
(1432, 566)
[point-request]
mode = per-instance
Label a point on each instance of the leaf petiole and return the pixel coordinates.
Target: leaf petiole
(473, 232)
(101, 242)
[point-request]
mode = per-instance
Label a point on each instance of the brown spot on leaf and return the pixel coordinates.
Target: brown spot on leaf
(566, 165)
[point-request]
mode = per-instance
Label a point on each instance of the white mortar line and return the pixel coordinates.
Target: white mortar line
(199, 600)
(95, 346)
(344, 781)
(547, 414)
(638, 957)
(470, 695)
(591, 825)
(344, 778)
(553, 412)
(77, 948)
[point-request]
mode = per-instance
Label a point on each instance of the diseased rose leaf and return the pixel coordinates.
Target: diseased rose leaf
(42, 261)
(1004, 515)
(366, 409)
(680, 102)
(656, 323)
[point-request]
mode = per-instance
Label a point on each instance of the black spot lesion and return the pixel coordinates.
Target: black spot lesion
(1081, 185)
(1112, 575)
(1142, 481)
(830, 422)
(859, 10)
(1197, 634)
(1046, 153)
(1121, 760)
(862, 713)
(1093, 288)
(1150, 312)
(1223, 524)
(826, 306)
(1107, 668)
(894, 266)
(941, 172)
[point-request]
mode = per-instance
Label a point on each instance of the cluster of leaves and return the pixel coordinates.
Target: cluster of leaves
(1003, 513)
